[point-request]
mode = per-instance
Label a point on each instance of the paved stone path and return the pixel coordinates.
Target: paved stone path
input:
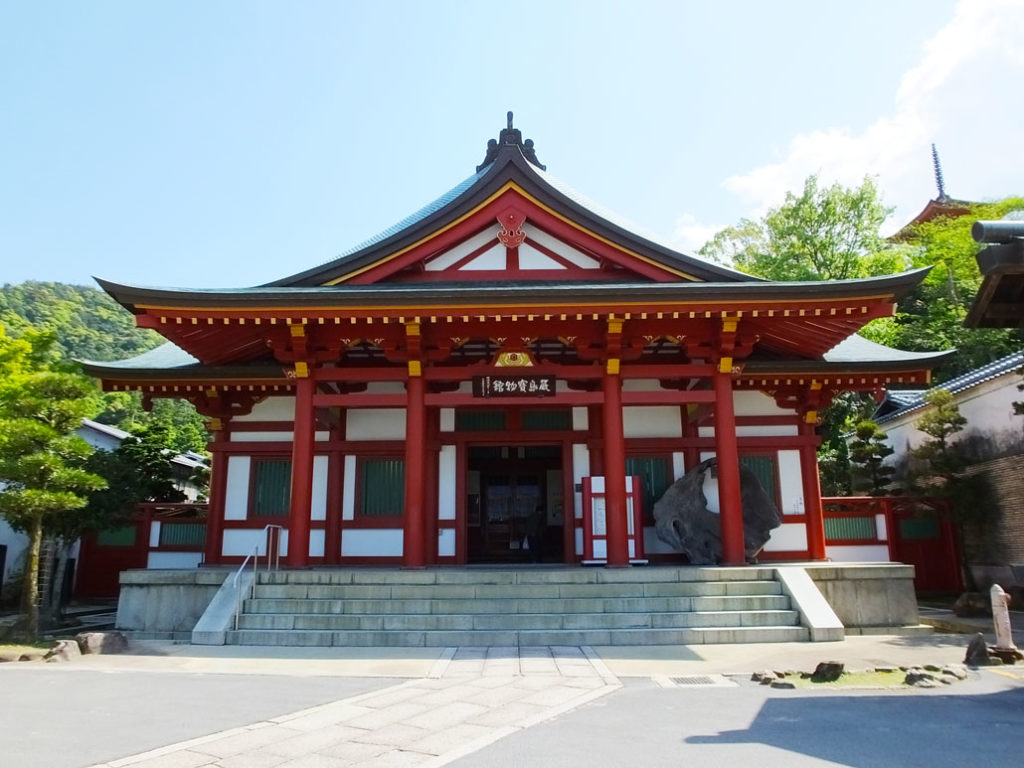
(472, 698)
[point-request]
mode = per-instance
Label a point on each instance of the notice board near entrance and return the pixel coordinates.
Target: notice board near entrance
(595, 522)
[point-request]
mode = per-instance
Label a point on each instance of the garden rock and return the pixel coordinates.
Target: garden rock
(63, 650)
(102, 642)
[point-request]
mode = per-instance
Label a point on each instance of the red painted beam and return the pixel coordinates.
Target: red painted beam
(726, 451)
(615, 473)
(414, 546)
(302, 475)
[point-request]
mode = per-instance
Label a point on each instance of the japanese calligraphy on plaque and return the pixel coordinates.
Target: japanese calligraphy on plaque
(513, 386)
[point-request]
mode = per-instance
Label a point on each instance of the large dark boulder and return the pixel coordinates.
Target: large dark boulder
(684, 522)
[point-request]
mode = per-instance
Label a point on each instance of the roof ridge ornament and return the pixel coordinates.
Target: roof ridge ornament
(938, 174)
(510, 137)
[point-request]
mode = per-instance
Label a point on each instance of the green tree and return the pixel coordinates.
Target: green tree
(41, 459)
(821, 234)
(938, 471)
(931, 317)
(868, 451)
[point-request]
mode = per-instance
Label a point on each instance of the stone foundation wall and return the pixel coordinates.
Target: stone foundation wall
(868, 595)
(166, 602)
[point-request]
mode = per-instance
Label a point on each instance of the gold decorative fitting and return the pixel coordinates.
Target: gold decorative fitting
(725, 365)
(301, 369)
(297, 331)
(815, 385)
(729, 324)
(211, 392)
(215, 425)
(614, 326)
(412, 329)
(811, 417)
(613, 366)
(415, 368)
(513, 360)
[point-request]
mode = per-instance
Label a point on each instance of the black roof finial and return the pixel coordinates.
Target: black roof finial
(938, 174)
(510, 137)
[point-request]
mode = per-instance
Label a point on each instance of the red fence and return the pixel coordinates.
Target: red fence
(915, 530)
(161, 536)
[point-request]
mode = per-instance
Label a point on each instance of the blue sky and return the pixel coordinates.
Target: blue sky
(228, 144)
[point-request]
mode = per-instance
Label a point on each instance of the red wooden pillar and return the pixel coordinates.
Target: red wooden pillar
(302, 473)
(615, 468)
(218, 492)
(727, 453)
(814, 516)
(413, 544)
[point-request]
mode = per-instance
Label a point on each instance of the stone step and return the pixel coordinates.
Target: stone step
(487, 591)
(446, 638)
(516, 605)
(522, 621)
(520, 575)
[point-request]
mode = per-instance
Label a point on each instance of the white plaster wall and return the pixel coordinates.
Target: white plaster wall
(447, 419)
(446, 542)
(236, 500)
(751, 403)
(567, 252)
(531, 258)
(274, 437)
(678, 464)
(317, 537)
(348, 490)
(580, 469)
(375, 424)
(757, 430)
(870, 553)
(271, 409)
(580, 418)
(790, 482)
(239, 542)
(788, 537)
(318, 509)
(173, 560)
(651, 421)
(460, 251)
(988, 409)
(446, 483)
(372, 542)
(492, 259)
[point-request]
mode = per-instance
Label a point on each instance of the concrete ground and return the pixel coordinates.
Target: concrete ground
(180, 706)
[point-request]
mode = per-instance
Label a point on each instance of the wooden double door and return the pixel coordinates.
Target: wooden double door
(506, 490)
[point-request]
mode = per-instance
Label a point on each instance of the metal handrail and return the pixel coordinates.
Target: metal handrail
(254, 556)
(274, 560)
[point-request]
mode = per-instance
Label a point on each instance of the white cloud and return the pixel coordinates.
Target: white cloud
(690, 234)
(963, 94)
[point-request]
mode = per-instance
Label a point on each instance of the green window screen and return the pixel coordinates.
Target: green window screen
(919, 528)
(383, 487)
(555, 420)
(117, 537)
(182, 534)
(655, 474)
(763, 468)
(476, 420)
(850, 528)
(273, 488)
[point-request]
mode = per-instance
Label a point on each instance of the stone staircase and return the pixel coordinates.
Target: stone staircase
(518, 607)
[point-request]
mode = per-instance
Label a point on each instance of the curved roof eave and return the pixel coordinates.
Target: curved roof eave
(451, 294)
(510, 165)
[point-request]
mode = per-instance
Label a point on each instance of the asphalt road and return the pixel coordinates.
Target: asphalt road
(974, 723)
(65, 717)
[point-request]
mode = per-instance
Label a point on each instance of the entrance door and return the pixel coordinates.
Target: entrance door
(507, 486)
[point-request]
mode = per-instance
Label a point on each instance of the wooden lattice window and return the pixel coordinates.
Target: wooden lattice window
(381, 487)
(271, 487)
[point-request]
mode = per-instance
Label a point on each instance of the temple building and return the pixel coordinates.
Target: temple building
(508, 348)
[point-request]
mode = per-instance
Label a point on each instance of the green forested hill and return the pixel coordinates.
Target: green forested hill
(89, 325)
